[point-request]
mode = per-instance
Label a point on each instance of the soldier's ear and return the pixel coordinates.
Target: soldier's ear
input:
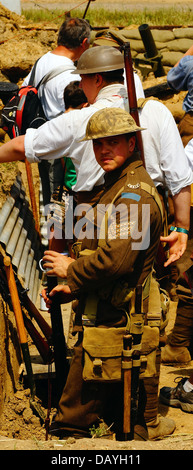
(99, 79)
(85, 43)
(131, 143)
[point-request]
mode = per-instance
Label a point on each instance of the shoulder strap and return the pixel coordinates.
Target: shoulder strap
(32, 76)
(153, 192)
(142, 101)
(53, 73)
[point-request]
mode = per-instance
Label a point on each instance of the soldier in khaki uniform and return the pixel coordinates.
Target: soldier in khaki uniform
(104, 276)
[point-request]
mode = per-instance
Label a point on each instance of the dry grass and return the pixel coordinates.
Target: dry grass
(126, 17)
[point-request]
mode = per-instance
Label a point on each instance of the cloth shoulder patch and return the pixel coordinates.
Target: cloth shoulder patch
(134, 196)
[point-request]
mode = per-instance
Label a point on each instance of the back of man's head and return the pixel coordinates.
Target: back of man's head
(73, 32)
(74, 96)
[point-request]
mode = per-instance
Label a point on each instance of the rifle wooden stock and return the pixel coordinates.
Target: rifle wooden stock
(40, 343)
(136, 357)
(34, 313)
(131, 368)
(132, 95)
(127, 344)
(19, 322)
(32, 195)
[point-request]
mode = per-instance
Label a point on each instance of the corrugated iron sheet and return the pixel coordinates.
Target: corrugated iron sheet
(20, 239)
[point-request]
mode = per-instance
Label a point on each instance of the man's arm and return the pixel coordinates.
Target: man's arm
(181, 203)
(178, 241)
(13, 150)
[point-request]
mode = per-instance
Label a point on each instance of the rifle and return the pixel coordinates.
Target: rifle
(32, 195)
(131, 367)
(22, 333)
(127, 367)
(59, 343)
(137, 322)
(44, 346)
(132, 95)
(87, 7)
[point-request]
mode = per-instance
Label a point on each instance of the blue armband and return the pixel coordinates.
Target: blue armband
(179, 229)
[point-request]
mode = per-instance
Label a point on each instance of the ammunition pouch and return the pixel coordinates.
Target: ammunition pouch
(103, 349)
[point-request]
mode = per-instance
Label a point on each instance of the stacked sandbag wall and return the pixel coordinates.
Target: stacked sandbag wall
(171, 43)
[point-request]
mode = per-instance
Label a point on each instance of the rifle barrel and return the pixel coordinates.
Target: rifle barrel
(58, 338)
(132, 95)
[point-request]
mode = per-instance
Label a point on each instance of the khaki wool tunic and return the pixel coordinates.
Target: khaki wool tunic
(119, 258)
(82, 404)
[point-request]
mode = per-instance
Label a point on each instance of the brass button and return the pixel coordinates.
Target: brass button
(132, 172)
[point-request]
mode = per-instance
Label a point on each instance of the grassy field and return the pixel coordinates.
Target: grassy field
(102, 17)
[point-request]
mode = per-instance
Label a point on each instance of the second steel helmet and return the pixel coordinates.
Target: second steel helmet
(110, 122)
(99, 59)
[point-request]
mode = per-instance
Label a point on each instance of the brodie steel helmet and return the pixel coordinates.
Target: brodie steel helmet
(99, 59)
(109, 122)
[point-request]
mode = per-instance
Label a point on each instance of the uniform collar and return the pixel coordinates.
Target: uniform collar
(114, 90)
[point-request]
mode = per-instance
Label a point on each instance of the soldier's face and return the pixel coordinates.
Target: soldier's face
(112, 152)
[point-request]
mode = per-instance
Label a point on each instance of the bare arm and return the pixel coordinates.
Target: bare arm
(181, 203)
(13, 150)
(178, 241)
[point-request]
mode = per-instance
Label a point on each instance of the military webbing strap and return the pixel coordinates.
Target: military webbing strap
(153, 192)
(154, 303)
(142, 101)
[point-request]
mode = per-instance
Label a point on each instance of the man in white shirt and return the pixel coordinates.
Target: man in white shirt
(73, 40)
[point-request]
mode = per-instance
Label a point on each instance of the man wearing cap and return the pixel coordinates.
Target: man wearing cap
(107, 264)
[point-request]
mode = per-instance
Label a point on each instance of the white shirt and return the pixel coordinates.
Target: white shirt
(189, 152)
(52, 92)
(138, 85)
(62, 135)
(166, 161)
(165, 157)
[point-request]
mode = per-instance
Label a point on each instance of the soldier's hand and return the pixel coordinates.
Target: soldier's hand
(64, 292)
(56, 263)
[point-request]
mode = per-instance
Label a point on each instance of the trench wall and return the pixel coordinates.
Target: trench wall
(10, 354)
